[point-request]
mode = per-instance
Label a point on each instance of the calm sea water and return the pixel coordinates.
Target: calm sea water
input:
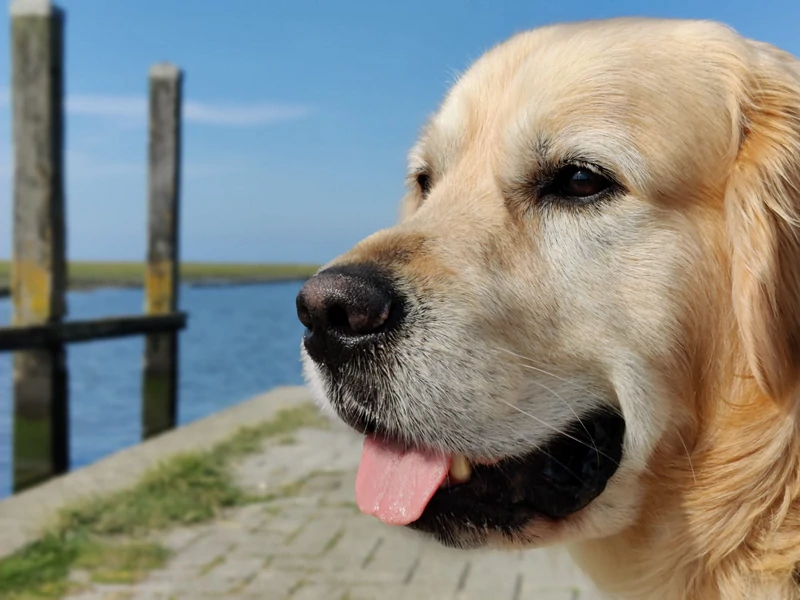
(240, 341)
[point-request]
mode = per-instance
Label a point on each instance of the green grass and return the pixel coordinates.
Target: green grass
(186, 489)
(104, 535)
(122, 562)
(42, 569)
(93, 274)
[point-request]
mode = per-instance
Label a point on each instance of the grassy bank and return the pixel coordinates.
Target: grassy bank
(108, 537)
(84, 275)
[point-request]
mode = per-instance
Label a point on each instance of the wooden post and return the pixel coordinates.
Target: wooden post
(161, 284)
(38, 278)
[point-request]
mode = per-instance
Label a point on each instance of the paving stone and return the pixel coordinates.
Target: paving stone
(549, 568)
(354, 551)
(316, 537)
(316, 591)
(290, 520)
(394, 554)
(436, 574)
(375, 592)
(261, 544)
(345, 493)
(203, 551)
(116, 592)
(545, 594)
(439, 565)
(252, 517)
(145, 595)
(151, 588)
(590, 594)
(488, 576)
(178, 539)
(271, 583)
(226, 575)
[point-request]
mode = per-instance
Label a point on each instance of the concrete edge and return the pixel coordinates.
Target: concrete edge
(24, 516)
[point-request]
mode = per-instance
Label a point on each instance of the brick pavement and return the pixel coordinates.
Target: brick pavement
(311, 543)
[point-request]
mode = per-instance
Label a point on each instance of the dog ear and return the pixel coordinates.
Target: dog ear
(763, 214)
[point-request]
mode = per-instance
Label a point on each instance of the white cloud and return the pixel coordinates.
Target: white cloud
(135, 108)
(242, 114)
(125, 107)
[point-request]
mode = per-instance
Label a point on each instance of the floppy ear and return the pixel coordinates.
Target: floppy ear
(763, 214)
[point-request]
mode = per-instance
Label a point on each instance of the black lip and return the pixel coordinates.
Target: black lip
(560, 479)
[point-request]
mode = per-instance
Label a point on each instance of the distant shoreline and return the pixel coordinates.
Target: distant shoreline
(86, 276)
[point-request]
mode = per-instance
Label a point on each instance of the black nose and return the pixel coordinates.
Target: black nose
(345, 308)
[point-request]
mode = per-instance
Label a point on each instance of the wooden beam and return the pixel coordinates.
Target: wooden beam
(14, 339)
(160, 376)
(38, 275)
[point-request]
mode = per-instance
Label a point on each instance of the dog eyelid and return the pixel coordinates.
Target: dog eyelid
(421, 179)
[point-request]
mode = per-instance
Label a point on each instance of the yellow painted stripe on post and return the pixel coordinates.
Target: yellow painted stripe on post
(159, 286)
(32, 287)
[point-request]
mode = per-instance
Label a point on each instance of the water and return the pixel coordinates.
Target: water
(240, 341)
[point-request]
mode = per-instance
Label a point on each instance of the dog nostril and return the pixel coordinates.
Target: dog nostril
(304, 314)
(355, 319)
(338, 318)
(370, 320)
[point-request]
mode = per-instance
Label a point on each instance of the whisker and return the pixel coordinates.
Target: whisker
(557, 430)
(572, 410)
(550, 373)
(557, 395)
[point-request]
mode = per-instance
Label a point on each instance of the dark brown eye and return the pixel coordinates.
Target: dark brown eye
(424, 183)
(579, 182)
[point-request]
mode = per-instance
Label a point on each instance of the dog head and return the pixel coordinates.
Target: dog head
(601, 226)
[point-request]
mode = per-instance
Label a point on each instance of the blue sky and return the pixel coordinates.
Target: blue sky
(298, 114)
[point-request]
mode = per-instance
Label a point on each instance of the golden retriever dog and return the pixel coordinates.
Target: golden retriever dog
(585, 327)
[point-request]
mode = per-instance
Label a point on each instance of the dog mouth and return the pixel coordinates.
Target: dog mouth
(461, 500)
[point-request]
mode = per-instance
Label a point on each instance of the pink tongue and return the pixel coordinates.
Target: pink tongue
(395, 484)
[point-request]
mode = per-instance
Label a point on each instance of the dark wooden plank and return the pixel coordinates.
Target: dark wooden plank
(38, 280)
(160, 376)
(45, 336)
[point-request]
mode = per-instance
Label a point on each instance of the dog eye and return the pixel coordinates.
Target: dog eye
(579, 182)
(424, 183)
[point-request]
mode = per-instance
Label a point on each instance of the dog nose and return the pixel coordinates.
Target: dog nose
(343, 308)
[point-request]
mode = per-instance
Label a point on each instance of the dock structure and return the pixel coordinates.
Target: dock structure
(40, 333)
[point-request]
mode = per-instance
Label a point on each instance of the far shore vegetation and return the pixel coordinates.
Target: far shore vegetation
(85, 274)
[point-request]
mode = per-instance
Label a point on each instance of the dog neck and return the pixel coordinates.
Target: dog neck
(721, 517)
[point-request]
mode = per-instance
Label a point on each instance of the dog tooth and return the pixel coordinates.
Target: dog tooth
(460, 469)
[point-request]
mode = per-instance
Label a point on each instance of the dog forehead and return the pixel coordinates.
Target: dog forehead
(657, 91)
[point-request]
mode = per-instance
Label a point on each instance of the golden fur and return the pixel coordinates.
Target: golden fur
(679, 301)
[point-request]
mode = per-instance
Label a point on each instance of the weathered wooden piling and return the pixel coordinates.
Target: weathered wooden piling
(161, 284)
(38, 277)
